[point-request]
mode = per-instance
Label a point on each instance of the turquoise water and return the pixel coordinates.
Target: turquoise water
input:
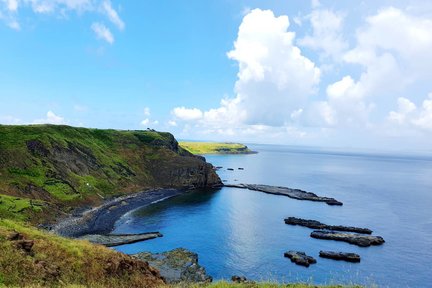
(241, 232)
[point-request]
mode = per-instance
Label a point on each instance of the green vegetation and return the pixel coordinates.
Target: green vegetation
(68, 166)
(56, 261)
(215, 148)
(19, 208)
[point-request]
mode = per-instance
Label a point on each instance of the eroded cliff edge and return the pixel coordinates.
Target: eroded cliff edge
(48, 170)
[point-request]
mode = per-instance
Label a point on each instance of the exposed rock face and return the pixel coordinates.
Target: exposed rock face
(318, 225)
(356, 239)
(112, 240)
(241, 279)
(349, 257)
(178, 265)
(285, 191)
(300, 258)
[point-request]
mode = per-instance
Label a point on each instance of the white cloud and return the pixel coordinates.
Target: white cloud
(102, 32)
(172, 123)
(51, 118)
(326, 33)
(10, 120)
(405, 107)
(187, 114)
(146, 111)
(9, 12)
(408, 115)
(274, 81)
(147, 121)
(12, 5)
(112, 14)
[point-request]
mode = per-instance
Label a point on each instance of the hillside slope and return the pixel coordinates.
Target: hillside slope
(54, 168)
(32, 257)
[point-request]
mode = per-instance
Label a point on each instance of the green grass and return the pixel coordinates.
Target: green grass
(215, 148)
(56, 262)
(19, 208)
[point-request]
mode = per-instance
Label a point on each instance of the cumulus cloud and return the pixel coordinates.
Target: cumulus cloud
(392, 50)
(187, 114)
(326, 34)
(274, 80)
(10, 13)
(408, 115)
(51, 118)
(102, 32)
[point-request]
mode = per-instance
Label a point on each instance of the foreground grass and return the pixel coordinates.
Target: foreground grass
(215, 148)
(56, 261)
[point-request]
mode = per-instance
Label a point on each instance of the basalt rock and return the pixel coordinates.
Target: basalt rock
(356, 239)
(289, 192)
(112, 240)
(241, 279)
(178, 265)
(300, 258)
(318, 225)
(349, 257)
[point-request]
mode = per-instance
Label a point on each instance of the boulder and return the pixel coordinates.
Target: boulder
(300, 258)
(178, 265)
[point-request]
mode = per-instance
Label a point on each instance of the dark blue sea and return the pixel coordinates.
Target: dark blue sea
(242, 232)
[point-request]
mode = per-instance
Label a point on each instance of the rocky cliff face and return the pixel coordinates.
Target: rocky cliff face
(67, 166)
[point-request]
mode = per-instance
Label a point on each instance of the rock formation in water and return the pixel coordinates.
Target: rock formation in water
(356, 239)
(345, 256)
(318, 225)
(289, 192)
(300, 258)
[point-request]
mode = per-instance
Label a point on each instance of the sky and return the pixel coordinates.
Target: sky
(353, 74)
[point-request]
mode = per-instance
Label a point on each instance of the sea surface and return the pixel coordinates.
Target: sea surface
(242, 232)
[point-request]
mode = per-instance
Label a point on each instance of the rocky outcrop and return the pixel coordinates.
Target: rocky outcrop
(241, 280)
(111, 240)
(318, 225)
(178, 265)
(300, 258)
(356, 239)
(289, 192)
(349, 257)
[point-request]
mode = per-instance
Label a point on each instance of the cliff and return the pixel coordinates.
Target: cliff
(55, 168)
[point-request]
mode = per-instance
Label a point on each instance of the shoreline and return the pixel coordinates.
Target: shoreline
(101, 219)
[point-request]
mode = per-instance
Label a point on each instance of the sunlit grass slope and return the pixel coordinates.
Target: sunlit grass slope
(215, 148)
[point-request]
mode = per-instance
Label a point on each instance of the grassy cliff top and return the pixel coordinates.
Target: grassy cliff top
(45, 169)
(215, 148)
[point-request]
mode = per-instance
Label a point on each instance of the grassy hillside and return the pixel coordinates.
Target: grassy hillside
(32, 257)
(52, 168)
(215, 148)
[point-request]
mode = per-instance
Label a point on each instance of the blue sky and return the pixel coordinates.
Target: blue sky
(350, 74)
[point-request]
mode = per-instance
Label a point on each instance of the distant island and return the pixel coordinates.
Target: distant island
(215, 148)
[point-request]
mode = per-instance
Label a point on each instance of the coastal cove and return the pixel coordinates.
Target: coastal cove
(242, 232)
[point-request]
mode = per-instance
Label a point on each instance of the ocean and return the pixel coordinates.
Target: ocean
(242, 232)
